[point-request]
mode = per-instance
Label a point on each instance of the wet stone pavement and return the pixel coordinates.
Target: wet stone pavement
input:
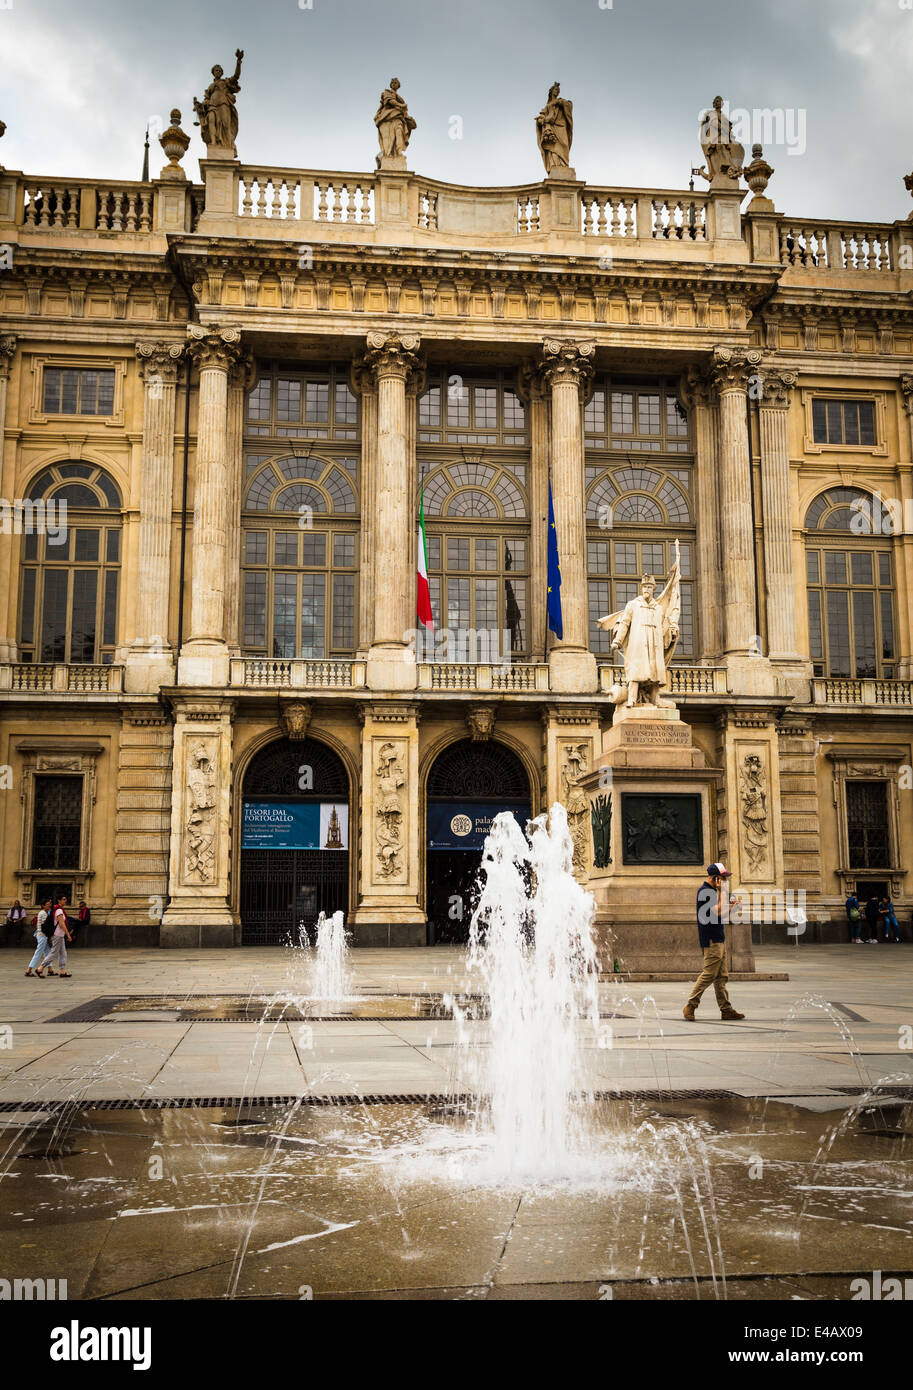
(745, 1160)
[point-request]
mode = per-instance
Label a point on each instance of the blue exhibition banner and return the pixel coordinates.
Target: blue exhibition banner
(464, 825)
(280, 825)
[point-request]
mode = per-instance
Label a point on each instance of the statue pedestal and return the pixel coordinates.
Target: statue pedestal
(652, 814)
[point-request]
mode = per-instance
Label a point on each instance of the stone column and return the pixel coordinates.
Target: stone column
(10, 564)
(363, 383)
(777, 518)
(204, 659)
(903, 551)
(567, 369)
(389, 909)
(699, 396)
(534, 394)
(393, 359)
(749, 671)
(241, 379)
(198, 912)
(150, 663)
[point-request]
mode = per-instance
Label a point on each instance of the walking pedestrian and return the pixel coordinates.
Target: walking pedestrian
(854, 917)
(42, 948)
(58, 951)
(889, 914)
(872, 913)
(711, 916)
(15, 921)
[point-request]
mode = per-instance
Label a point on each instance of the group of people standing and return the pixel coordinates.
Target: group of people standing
(52, 931)
(876, 912)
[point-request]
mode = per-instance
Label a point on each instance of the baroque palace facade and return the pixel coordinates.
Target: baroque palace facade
(240, 387)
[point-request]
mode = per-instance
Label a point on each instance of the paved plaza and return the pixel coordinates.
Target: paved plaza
(838, 1024)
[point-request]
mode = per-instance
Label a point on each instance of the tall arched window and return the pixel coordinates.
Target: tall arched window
(300, 511)
(473, 460)
(850, 575)
(637, 506)
(70, 566)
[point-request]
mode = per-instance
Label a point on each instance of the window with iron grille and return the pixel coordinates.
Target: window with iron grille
(867, 825)
(57, 822)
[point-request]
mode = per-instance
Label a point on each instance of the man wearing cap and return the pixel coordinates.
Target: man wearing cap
(710, 917)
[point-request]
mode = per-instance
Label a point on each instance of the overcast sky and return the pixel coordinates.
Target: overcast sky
(81, 78)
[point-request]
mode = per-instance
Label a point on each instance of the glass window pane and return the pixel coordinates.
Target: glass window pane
(835, 567)
(105, 397)
(434, 552)
(811, 566)
(685, 646)
(598, 596)
(838, 633)
(861, 567)
(594, 414)
(486, 554)
(514, 412)
(27, 626)
(255, 609)
(57, 823)
(815, 638)
(647, 414)
(457, 402)
(834, 422)
(313, 616)
(819, 422)
(458, 604)
(113, 545)
(597, 557)
(884, 568)
(343, 612)
(54, 616)
(625, 557)
(31, 546)
(344, 551)
(258, 400)
(887, 627)
(851, 422)
(866, 422)
(317, 402)
(285, 591)
(314, 548)
(286, 547)
(457, 553)
(486, 407)
(255, 547)
(622, 412)
(85, 603)
(109, 619)
(346, 409)
(86, 546)
(486, 596)
(864, 632)
(288, 399)
(429, 408)
(515, 554)
(653, 560)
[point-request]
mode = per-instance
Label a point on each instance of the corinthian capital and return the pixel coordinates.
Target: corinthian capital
(214, 347)
(730, 368)
(393, 354)
(906, 386)
(158, 362)
(776, 386)
(566, 360)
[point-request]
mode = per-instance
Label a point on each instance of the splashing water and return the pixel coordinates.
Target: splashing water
(331, 978)
(531, 942)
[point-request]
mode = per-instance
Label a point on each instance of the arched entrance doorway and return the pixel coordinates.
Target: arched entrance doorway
(469, 783)
(294, 840)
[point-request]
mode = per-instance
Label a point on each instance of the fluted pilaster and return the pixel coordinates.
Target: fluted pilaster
(567, 368)
(777, 515)
(731, 368)
(158, 368)
(8, 650)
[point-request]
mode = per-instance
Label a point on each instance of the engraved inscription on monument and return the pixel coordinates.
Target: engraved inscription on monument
(655, 733)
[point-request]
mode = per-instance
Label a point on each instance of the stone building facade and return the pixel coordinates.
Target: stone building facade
(240, 387)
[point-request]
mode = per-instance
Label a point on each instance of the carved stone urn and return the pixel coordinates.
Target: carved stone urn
(174, 142)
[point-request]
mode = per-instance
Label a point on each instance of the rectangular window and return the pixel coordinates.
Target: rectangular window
(27, 626)
(286, 547)
(597, 557)
(85, 601)
(258, 400)
(343, 551)
(486, 554)
(54, 625)
(255, 547)
(78, 391)
(594, 414)
(838, 632)
(288, 399)
(815, 638)
(514, 412)
(851, 423)
(314, 548)
(867, 825)
(317, 402)
(285, 613)
(109, 617)
(486, 407)
(458, 553)
(429, 408)
(457, 403)
(57, 824)
(346, 405)
(598, 593)
(864, 633)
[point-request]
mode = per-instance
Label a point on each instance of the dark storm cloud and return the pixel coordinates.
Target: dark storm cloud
(828, 80)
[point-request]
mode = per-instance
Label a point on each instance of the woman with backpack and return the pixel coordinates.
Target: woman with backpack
(58, 951)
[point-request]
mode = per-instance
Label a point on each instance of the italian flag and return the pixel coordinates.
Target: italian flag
(423, 592)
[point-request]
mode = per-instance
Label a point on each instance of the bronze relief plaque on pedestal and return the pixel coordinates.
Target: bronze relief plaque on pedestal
(661, 829)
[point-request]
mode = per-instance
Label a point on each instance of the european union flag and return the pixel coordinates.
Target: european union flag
(553, 596)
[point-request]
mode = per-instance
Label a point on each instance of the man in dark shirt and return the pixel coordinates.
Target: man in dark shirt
(712, 936)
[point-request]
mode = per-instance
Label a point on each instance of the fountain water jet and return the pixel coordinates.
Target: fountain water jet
(331, 978)
(531, 941)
